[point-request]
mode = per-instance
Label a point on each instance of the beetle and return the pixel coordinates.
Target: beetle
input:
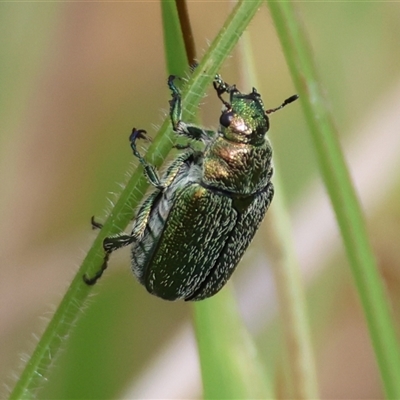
(192, 230)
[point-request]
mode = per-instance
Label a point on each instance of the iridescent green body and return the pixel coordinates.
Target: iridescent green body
(192, 230)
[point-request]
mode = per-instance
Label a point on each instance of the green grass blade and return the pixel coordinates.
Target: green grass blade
(292, 303)
(342, 194)
(229, 363)
(60, 326)
(302, 382)
(174, 46)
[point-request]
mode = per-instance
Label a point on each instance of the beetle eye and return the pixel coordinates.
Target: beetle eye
(226, 118)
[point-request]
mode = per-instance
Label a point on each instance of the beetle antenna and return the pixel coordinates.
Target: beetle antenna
(291, 99)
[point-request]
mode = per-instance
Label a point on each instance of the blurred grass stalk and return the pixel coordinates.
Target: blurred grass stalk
(344, 200)
(300, 360)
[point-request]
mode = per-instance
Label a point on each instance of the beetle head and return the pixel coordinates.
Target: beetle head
(243, 118)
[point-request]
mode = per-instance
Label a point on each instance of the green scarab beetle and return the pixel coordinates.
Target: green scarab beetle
(192, 230)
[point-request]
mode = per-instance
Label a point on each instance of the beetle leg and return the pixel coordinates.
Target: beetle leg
(143, 215)
(193, 132)
(174, 168)
(179, 146)
(222, 87)
(95, 224)
(109, 244)
(181, 128)
(112, 243)
(149, 170)
(91, 281)
(175, 103)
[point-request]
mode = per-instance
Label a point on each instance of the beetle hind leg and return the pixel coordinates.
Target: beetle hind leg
(90, 281)
(95, 224)
(110, 244)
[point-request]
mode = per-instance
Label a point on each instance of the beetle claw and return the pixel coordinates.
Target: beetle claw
(138, 134)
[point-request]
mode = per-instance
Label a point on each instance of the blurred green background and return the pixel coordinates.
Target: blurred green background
(74, 79)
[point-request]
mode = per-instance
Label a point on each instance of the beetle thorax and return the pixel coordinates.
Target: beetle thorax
(238, 168)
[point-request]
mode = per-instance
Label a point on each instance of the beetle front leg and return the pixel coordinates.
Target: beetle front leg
(222, 87)
(182, 128)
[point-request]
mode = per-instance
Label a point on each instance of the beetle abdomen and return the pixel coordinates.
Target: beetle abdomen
(193, 237)
(236, 244)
